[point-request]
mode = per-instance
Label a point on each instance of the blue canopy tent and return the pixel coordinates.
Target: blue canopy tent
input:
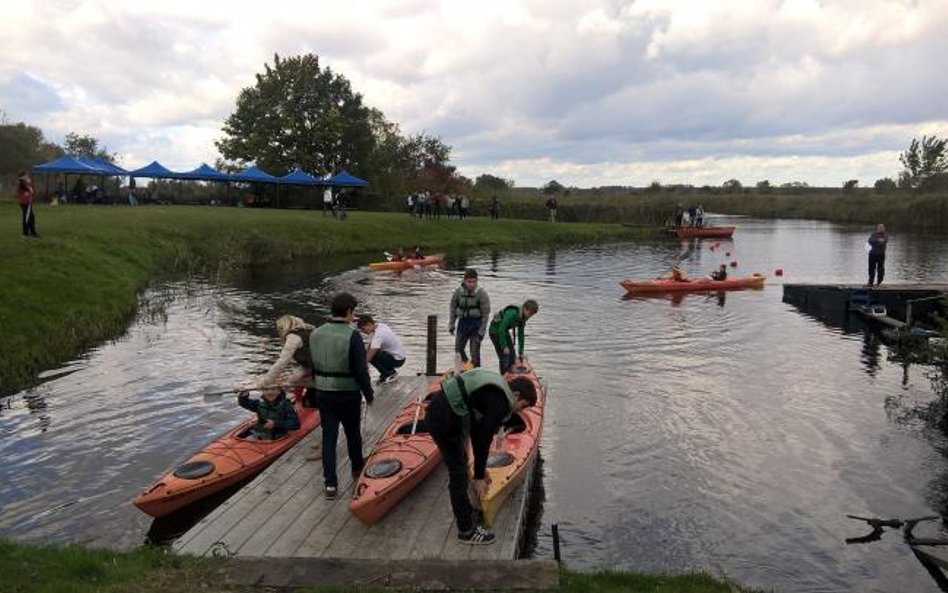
(205, 173)
(154, 170)
(299, 177)
(254, 175)
(106, 167)
(346, 179)
(76, 165)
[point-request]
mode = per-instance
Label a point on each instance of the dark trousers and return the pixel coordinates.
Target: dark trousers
(506, 360)
(447, 431)
(29, 220)
(335, 408)
(385, 363)
(876, 267)
(468, 330)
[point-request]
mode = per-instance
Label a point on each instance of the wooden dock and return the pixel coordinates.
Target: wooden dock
(283, 513)
(904, 303)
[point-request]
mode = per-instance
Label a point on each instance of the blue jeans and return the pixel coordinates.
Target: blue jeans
(340, 407)
(468, 330)
(385, 363)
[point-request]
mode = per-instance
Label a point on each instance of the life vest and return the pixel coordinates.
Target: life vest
(495, 322)
(329, 348)
(457, 390)
(469, 305)
(302, 355)
(269, 411)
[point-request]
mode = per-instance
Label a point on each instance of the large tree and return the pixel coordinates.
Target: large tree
(87, 146)
(925, 163)
(23, 147)
(492, 182)
(299, 115)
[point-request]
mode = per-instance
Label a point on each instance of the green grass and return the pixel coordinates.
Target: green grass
(49, 569)
(78, 284)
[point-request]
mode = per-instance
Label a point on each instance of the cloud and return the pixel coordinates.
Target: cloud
(590, 92)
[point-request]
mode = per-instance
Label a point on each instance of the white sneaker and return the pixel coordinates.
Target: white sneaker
(390, 378)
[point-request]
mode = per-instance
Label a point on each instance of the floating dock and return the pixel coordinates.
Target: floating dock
(903, 303)
(283, 512)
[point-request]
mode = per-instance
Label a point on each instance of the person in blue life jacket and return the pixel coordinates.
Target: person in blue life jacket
(275, 414)
(509, 319)
(472, 405)
(468, 317)
(341, 381)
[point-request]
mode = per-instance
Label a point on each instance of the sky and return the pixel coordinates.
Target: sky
(587, 92)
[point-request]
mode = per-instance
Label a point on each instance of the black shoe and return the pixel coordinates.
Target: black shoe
(331, 492)
(479, 536)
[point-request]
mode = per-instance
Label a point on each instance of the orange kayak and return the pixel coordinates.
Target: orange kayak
(509, 464)
(696, 284)
(407, 264)
(688, 232)
(401, 460)
(227, 461)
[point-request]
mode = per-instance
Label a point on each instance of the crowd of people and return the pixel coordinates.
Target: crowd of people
(332, 361)
(693, 216)
(431, 205)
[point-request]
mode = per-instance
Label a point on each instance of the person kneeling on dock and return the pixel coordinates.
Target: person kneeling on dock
(275, 414)
(475, 403)
(385, 350)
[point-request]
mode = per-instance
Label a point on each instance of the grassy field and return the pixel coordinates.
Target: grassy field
(78, 284)
(33, 569)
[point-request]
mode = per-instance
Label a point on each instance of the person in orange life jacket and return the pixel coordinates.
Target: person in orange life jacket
(275, 414)
(719, 274)
(501, 330)
(342, 380)
(25, 195)
(474, 404)
(468, 315)
(385, 352)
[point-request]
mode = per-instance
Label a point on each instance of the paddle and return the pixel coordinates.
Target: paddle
(211, 395)
(414, 424)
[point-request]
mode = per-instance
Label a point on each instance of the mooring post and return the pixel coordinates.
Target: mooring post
(432, 364)
(556, 543)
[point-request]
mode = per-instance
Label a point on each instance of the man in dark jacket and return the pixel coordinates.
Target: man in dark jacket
(474, 403)
(876, 245)
(341, 381)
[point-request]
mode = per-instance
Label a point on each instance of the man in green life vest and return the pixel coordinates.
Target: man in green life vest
(472, 405)
(341, 381)
(469, 315)
(501, 330)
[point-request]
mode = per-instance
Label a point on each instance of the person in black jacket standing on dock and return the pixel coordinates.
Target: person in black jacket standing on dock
(876, 245)
(475, 403)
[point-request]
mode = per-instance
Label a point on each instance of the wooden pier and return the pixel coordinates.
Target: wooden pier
(283, 512)
(903, 303)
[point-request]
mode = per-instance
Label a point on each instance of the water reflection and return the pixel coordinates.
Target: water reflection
(551, 262)
(870, 352)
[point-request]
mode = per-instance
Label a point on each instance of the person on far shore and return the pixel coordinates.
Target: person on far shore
(495, 209)
(468, 316)
(876, 244)
(26, 197)
(551, 207)
(502, 328)
(385, 350)
(327, 202)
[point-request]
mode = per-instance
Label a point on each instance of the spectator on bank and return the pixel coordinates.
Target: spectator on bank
(495, 209)
(26, 197)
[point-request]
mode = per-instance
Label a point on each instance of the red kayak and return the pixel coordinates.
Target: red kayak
(407, 264)
(227, 461)
(403, 457)
(696, 284)
(688, 232)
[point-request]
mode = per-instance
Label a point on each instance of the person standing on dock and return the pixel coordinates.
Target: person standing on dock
(468, 317)
(502, 327)
(475, 403)
(385, 350)
(875, 245)
(342, 380)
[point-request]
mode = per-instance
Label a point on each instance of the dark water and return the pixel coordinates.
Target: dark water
(723, 433)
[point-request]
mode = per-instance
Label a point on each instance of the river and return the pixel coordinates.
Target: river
(730, 433)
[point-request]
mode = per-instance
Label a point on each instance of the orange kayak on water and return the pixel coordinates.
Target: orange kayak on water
(225, 462)
(508, 465)
(688, 232)
(403, 457)
(407, 264)
(696, 284)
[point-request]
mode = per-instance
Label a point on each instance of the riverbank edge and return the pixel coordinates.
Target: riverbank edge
(29, 568)
(79, 285)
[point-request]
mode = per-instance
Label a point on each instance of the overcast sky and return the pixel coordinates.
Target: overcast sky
(587, 92)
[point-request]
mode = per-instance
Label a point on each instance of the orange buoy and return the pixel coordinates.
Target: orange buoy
(734, 264)
(727, 254)
(778, 272)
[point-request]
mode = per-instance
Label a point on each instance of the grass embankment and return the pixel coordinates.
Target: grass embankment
(77, 285)
(34, 569)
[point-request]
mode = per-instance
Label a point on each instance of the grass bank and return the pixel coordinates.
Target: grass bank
(34, 569)
(77, 285)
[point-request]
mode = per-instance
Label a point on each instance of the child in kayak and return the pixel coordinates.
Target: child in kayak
(275, 414)
(501, 330)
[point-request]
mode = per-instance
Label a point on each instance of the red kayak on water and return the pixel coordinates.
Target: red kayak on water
(695, 284)
(688, 232)
(407, 264)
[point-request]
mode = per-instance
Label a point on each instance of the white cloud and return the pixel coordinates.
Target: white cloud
(589, 92)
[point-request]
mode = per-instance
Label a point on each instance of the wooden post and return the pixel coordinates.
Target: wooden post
(908, 314)
(556, 543)
(432, 364)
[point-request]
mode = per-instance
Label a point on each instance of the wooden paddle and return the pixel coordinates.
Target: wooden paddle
(212, 395)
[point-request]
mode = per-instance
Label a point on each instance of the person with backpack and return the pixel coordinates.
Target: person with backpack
(502, 328)
(468, 317)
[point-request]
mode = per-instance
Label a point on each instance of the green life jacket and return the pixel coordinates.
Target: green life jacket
(302, 355)
(469, 305)
(268, 411)
(329, 347)
(457, 391)
(495, 324)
